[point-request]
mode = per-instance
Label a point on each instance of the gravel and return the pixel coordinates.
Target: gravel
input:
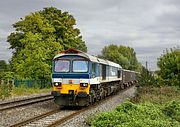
(50, 119)
(17, 115)
(109, 105)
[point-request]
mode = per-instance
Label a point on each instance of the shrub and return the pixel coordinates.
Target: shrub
(131, 115)
(172, 110)
(146, 78)
(6, 84)
(5, 89)
(170, 67)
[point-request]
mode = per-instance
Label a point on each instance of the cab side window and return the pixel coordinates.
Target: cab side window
(93, 70)
(119, 73)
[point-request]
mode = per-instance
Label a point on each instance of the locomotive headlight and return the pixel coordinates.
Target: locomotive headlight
(57, 83)
(84, 84)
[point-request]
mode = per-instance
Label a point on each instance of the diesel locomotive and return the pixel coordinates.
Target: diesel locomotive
(80, 79)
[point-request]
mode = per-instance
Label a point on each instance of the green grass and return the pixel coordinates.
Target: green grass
(152, 107)
(10, 91)
(157, 95)
(21, 91)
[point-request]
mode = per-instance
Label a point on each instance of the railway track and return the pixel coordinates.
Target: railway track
(55, 117)
(24, 102)
(52, 118)
(36, 118)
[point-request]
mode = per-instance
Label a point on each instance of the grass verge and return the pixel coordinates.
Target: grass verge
(21, 91)
(157, 95)
(10, 91)
(152, 107)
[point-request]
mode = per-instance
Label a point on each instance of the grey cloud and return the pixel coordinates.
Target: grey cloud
(147, 26)
(5, 53)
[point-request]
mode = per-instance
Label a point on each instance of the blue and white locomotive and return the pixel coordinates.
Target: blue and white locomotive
(80, 79)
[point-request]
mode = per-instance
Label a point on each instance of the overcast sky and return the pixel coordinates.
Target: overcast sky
(148, 26)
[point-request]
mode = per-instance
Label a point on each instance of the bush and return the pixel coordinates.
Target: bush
(146, 78)
(170, 67)
(5, 89)
(6, 84)
(172, 110)
(131, 115)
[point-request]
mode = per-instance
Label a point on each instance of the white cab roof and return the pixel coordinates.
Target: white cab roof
(90, 57)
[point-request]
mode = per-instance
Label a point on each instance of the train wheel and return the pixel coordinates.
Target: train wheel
(91, 99)
(122, 86)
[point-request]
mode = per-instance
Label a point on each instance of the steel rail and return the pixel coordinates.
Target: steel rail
(24, 103)
(21, 100)
(36, 118)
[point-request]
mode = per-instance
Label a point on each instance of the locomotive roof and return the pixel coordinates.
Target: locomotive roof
(73, 52)
(131, 71)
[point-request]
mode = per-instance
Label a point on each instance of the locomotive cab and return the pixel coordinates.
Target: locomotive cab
(71, 72)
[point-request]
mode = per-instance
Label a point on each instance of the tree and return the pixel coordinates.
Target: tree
(3, 65)
(38, 37)
(130, 54)
(146, 78)
(125, 56)
(169, 64)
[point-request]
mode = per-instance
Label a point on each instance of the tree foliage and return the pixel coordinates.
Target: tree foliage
(125, 56)
(38, 37)
(146, 78)
(169, 64)
(3, 65)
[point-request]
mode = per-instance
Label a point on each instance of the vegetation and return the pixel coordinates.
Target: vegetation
(146, 78)
(23, 90)
(153, 108)
(172, 110)
(169, 64)
(125, 56)
(7, 90)
(38, 37)
(157, 95)
(169, 73)
(3, 65)
(142, 115)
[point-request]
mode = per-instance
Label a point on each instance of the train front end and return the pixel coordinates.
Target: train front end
(70, 79)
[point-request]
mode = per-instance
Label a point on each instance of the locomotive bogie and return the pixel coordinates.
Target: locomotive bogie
(71, 100)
